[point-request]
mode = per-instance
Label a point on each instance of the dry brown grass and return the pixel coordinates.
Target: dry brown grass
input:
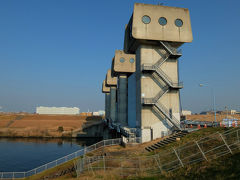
(36, 125)
(210, 117)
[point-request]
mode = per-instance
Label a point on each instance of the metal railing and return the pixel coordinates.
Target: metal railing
(103, 143)
(205, 149)
(163, 75)
(162, 60)
(169, 116)
(156, 98)
(170, 49)
(168, 80)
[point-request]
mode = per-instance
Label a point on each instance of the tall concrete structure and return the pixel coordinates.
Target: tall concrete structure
(112, 83)
(154, 33)
(144, 80)
(122, 66)
(106, 90)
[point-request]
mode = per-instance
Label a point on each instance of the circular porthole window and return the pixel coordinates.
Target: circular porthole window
(146, 19)
(162, 21)
(122, 60)
(131, 60)
(178, 22)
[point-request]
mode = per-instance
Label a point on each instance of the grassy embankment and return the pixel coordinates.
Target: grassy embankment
(226, 167)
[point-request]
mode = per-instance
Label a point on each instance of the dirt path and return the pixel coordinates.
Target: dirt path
(13, 120)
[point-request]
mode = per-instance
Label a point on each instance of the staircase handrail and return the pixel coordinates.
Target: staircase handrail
(148, 66)
(171, 117)
(156, 98)
(162, 60)
(170, 49)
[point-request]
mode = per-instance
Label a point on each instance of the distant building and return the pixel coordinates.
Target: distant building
(186, 112)
(58, 110)
(207, 112)
(227, 112)
(95, 113)
(99, 113)
(233, 111)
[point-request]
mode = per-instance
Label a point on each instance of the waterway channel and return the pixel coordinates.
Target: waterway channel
(23, 154)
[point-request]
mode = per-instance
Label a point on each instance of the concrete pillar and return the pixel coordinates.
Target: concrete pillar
(148, 87)
(122, 100)
(113, 104)
(107, 105)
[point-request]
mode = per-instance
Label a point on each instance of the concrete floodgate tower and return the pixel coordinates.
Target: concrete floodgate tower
(154, 33)
(122, 66)
(106, 90)
(112, 107)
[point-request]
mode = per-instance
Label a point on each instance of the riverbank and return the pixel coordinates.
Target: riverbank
(43, 126)
(225, 167)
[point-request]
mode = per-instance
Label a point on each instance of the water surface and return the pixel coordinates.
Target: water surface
(23, 154)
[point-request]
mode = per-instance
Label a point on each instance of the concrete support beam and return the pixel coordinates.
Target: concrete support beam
(106, 90)
(113, 104)
(107, 105)
(122, 100)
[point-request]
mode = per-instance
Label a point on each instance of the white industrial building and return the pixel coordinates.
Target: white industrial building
(186, 112)
(57, 110)
(99, 113)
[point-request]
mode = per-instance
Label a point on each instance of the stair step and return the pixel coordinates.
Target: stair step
(168, 140)
(148, 149)
(157, 145)
(151, 148)
(160, 143)
(154, 146)
(173, 138)
(164, 142)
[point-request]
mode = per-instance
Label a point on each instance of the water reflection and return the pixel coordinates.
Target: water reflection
(23, 154)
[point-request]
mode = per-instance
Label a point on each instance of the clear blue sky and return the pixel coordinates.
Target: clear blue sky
(57, 52)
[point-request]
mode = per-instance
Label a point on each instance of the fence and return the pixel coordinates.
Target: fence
(205, 149)
(16, 175)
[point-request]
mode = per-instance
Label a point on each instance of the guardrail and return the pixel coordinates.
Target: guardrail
(205, 149)
(20, 175)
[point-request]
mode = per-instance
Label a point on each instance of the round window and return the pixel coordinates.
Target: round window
(131, 60)
(178, 22)
(122, 60)
(146, 19)
(162, 21)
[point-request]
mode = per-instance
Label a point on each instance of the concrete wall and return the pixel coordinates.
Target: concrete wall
(132, 101)
(113, 104)
(122, 100)
(57, 110)
(107, 105)
(154, 31)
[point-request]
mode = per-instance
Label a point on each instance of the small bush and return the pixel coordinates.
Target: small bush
(60, 129)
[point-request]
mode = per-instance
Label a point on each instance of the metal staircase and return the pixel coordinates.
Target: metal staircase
(162, 75)
(174, 52)
(156, 98)
(174, 121)
(158, 75)
(163, 58)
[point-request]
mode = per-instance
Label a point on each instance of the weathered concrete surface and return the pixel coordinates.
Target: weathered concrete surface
(122, 100)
